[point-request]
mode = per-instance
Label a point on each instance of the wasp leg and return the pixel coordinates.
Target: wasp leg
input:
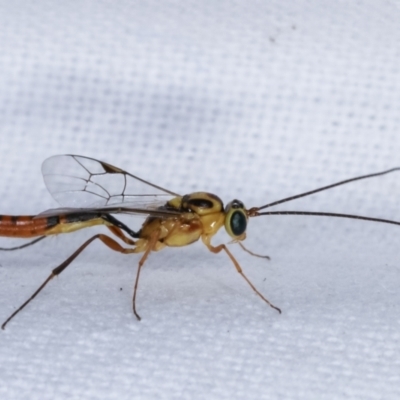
(24, 245)
(221, 247)
(118, 224)
(111, 243)
(150, 245)
(118, 232)
(250, 252)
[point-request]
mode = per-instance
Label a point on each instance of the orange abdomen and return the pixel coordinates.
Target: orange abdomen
(25, 226)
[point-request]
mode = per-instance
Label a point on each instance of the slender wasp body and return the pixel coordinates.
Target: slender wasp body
(94, 191)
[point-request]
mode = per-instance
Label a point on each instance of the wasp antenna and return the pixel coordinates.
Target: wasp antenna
(321, 189)
(327, 214)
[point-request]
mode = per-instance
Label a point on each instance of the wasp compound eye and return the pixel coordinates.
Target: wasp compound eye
(238, 223)
(236, 219)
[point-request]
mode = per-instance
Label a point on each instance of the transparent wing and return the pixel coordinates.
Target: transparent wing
(83, 182)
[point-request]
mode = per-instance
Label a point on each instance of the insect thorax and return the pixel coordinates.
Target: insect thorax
(201, 203)
(210, 210)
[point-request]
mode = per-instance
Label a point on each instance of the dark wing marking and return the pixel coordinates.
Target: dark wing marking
(83, 182)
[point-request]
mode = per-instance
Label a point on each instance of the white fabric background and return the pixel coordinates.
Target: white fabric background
(253, 100)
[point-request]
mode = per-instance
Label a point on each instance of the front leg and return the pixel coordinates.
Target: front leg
(249, 251)
(216, 249)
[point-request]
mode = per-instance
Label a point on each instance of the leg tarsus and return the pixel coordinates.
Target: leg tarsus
(250, 252)
(50, 277)
(135, 290)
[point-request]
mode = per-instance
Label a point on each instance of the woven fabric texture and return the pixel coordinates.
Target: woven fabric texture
(252, 100)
